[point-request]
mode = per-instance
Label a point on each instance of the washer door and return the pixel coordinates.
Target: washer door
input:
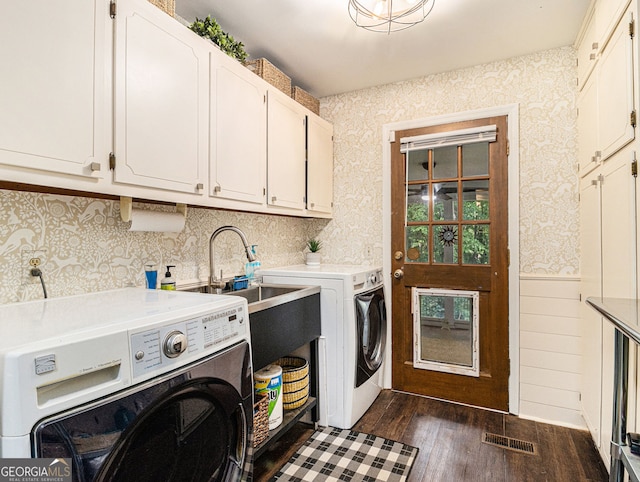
(371, 319)
(195, 434)
(195, 426)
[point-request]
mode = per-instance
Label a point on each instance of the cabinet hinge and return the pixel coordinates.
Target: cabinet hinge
(632, 28)
(634, 166)
(112, 161)
(632, 118)
(112, 9)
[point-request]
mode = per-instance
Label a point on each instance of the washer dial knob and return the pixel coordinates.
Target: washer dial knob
(174, 344)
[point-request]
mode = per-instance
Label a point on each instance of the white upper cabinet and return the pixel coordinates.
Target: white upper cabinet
(238, 139)
(588, 51)
(606, 112)
(319, 165)
(615, 91)
(608, 14)
(285, 151)
(588, 155)
(53, 94)
(161, 101)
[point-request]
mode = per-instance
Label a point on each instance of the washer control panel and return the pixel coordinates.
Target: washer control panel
(163, 347)
(367, 280)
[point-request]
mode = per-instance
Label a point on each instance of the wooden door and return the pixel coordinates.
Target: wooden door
(449, 232)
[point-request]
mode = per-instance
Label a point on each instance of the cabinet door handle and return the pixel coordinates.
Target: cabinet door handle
(199, 186)
(217, 189)
(95, 166)
(273, 199)
(594, 45)
(592, 57)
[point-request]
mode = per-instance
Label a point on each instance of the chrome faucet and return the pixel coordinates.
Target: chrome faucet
(214, 282)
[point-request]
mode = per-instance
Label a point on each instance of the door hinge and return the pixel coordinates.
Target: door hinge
(112, 161)
(632, 118)
(112, 9)
(632, 28)
(508, 147)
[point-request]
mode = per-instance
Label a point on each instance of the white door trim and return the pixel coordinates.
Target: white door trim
(513, 123)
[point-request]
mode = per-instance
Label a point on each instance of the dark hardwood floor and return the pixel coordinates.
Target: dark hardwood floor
(449, 438)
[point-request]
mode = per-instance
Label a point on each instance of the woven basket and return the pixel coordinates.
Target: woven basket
(269, 72)
(260, 420)
(168, 6)
(295, 381)
(306, 99)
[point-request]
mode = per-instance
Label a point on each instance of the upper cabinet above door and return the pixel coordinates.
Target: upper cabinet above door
(161, 101)
(238, 139)
(53, 94)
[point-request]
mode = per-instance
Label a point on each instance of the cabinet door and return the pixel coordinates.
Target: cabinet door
(285, 151)
(608, 13)
(319, 165)
(590, 285)
(615, 91)
(618, 263)
(53, 94)
(588, 155)
(161, 100)
(587, 52)
(238, 149)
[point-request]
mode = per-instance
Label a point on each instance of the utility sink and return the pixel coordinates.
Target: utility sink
(266, 296)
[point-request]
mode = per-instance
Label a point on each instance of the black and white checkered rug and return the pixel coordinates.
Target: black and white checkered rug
(333, 454)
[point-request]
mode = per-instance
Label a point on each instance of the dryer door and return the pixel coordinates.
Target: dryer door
(371, 318)
(193, 426)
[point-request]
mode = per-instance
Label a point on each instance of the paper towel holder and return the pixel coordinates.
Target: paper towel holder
(126, 207)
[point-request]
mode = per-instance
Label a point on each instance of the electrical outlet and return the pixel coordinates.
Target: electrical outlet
(33, 258)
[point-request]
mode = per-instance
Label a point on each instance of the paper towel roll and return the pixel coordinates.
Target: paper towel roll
(157, 221)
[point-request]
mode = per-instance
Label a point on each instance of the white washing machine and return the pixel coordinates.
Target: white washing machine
(354, 329)
(129, 384)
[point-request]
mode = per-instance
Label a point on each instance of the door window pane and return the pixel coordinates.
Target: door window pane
(475, 244)
(445, 243)
(417, 244)
(475, 159)
(445, 201)
(445, 162)
(446, 330)
(418, 203)
(418, 165)
(475, 206)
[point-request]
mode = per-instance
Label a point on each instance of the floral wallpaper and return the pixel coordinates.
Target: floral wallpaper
(544, 86)
(86, 247)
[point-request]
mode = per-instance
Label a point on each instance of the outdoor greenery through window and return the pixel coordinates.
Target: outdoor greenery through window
(448, 210)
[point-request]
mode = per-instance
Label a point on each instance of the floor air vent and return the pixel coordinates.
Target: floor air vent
(509, 443)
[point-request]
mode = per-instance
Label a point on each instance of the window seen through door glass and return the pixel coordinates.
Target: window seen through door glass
(475, 159)
(418, 165)
(445, 162)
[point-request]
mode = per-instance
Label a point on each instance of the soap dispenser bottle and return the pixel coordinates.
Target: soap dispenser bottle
(252, 267)
(168, 282)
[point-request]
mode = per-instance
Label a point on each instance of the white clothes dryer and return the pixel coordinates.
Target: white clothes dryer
(129, 384)
(353, 335)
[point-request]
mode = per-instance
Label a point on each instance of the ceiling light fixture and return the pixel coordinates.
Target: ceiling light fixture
(389, 15)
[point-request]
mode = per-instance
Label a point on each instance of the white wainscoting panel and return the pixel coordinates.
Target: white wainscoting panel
(550, 350)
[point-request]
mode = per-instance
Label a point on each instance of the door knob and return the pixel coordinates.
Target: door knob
(398, 274)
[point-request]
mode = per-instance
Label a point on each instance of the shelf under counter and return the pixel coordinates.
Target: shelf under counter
(289, 419)
(623, 314)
